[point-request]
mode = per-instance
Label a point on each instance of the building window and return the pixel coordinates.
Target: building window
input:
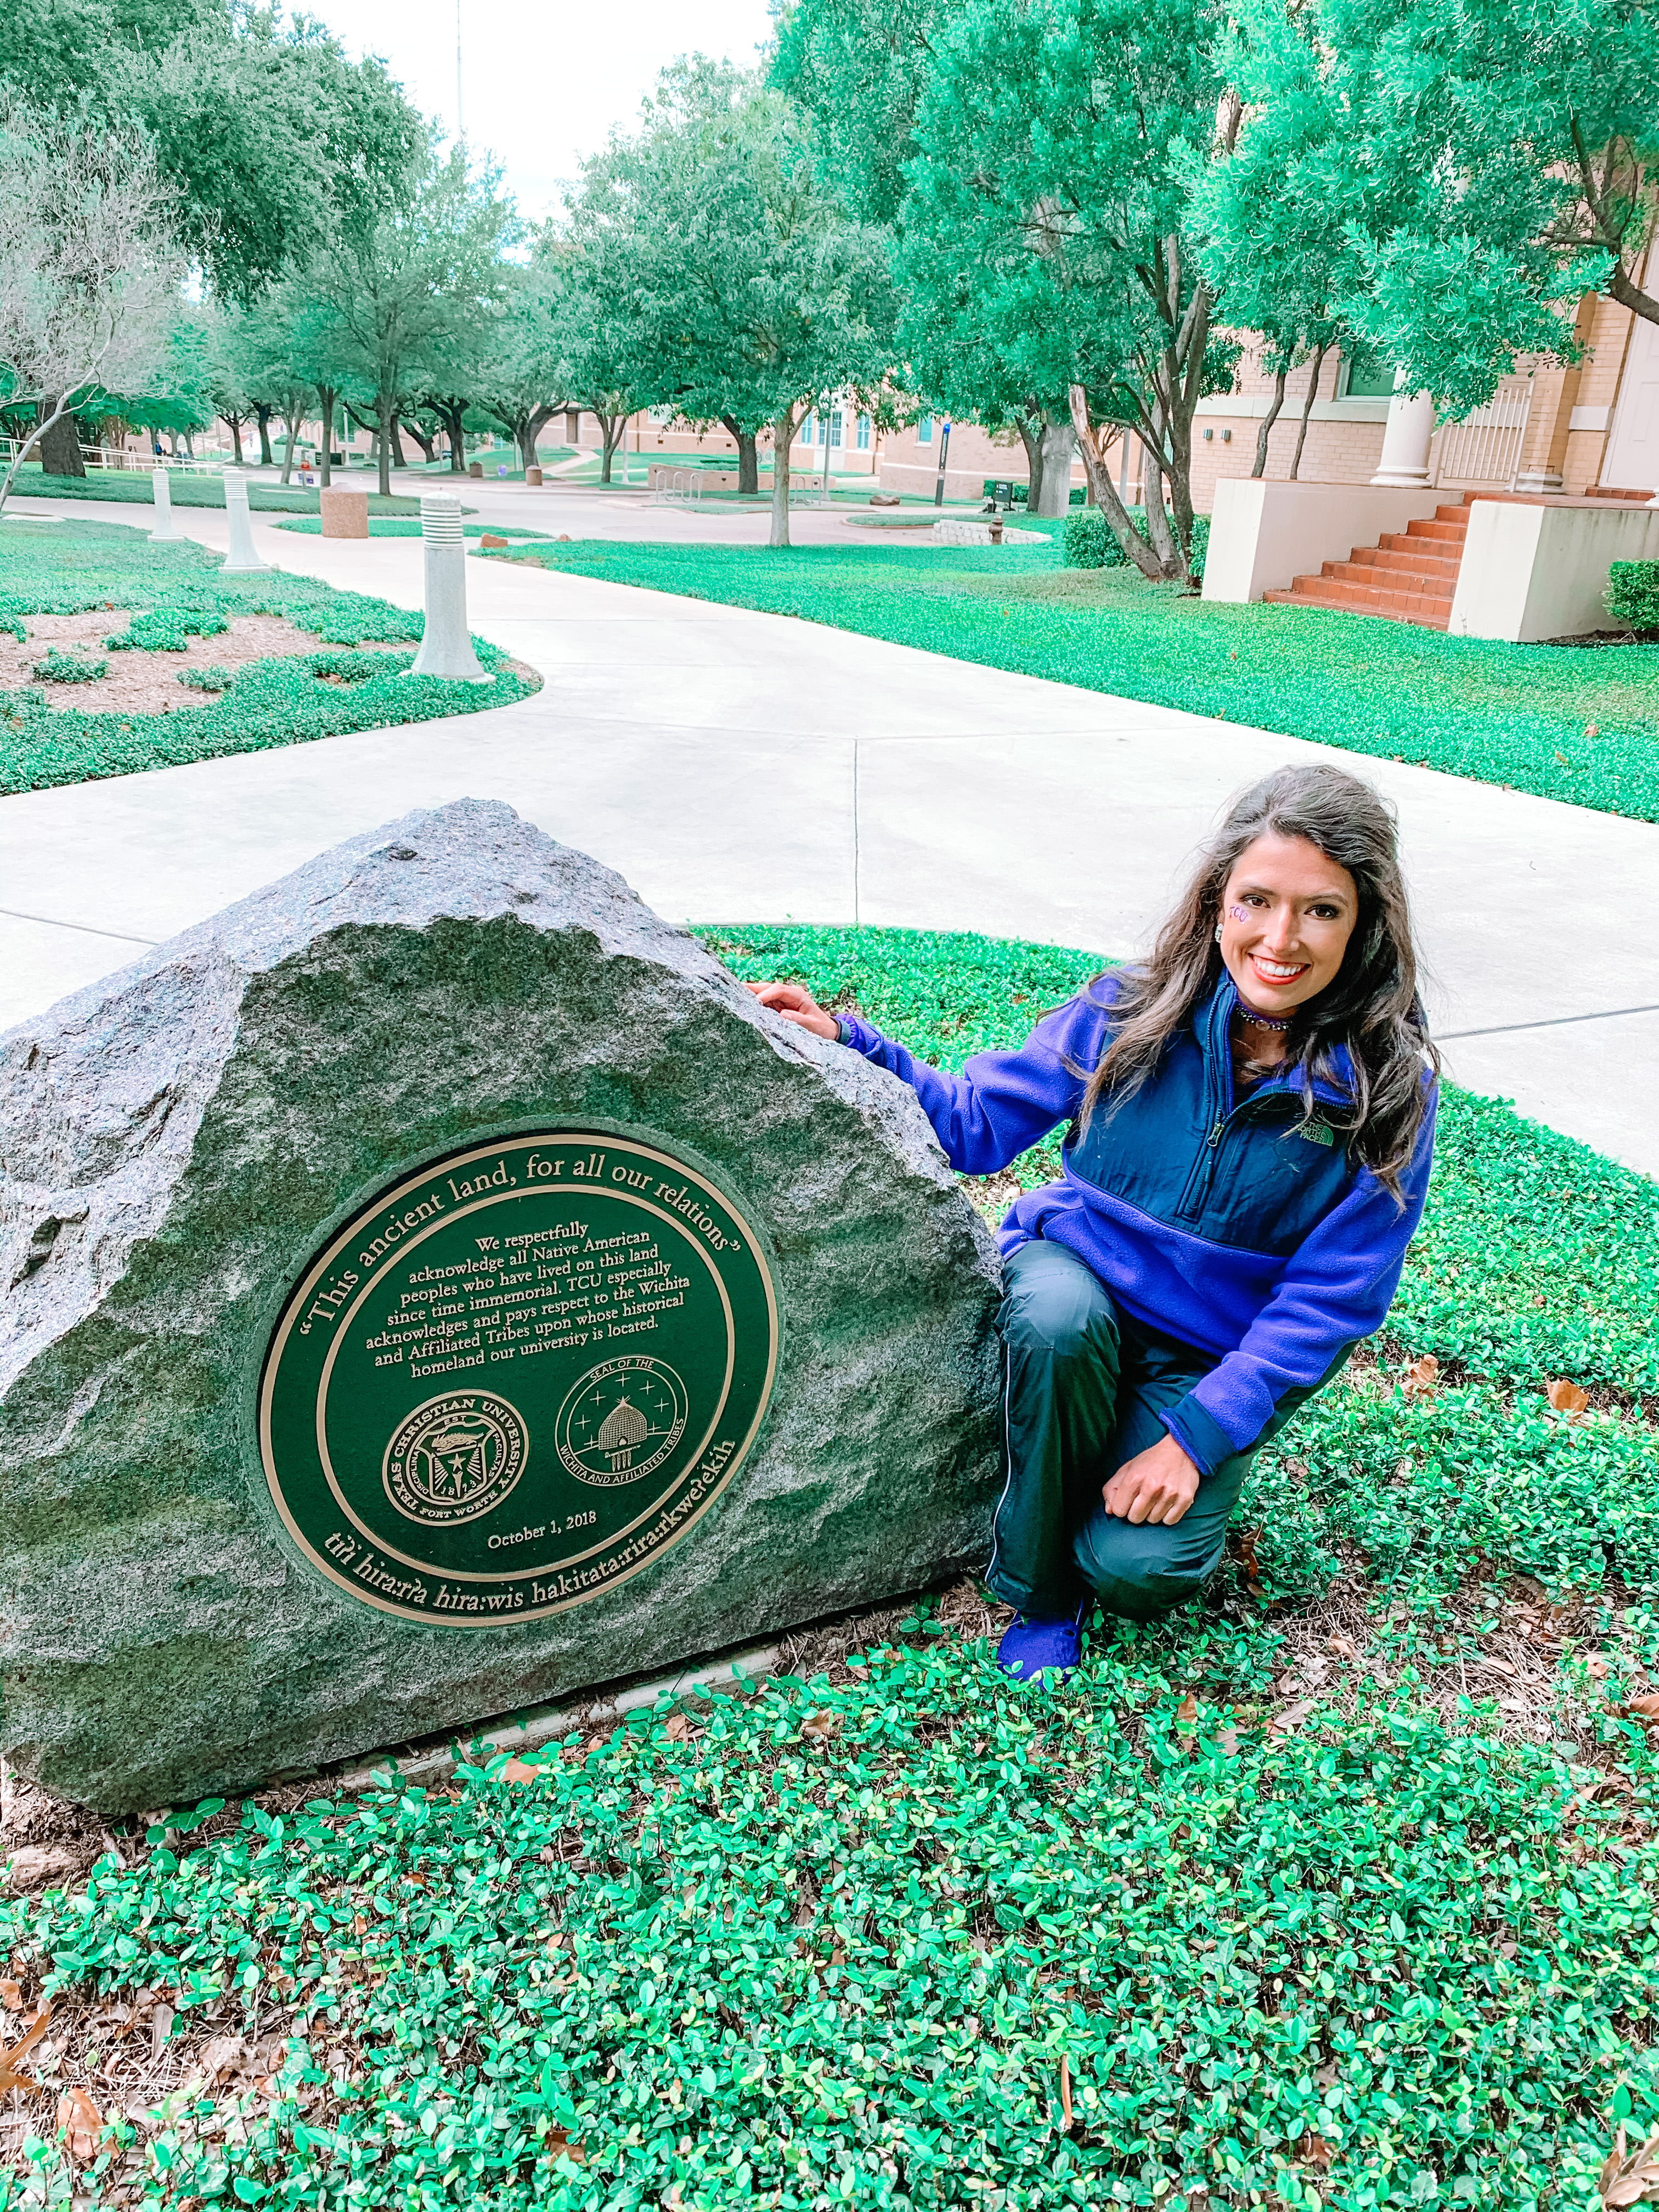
(924, 431)
(1365, 375)
(864, 434)
(810, 435)
(837, 434)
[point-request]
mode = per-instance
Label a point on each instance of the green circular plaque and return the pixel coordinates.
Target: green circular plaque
(516, 1378)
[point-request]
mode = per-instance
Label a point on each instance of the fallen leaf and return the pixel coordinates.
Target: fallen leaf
(1630, 2179)
(161, 2026)
(1645, 1707)
(11, 1997)
(1187, 1710)
(219, 2056)
(80, 2119)
(1421, 1376)
(9, 2077)
(677, 1728)
(1595, 1667)
(1290, 1717)
(1591, 730)
(1341, 1646)
(1317, 2153)
(1065, 2094)
(1567, 1397)
(819, 1726)
(562, 2147)
(1245, 1542)
(516, 1771)
(1226, 1742)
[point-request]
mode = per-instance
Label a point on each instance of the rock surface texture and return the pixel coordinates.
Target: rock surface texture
(176, 1143)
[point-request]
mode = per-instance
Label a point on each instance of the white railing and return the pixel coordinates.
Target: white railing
(120, 457)
(1485, 448)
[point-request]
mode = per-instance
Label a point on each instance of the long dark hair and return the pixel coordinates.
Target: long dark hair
(1371, 1008)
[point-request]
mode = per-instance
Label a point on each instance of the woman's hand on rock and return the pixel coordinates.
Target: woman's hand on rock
(1156, 1486)
(796, 1004)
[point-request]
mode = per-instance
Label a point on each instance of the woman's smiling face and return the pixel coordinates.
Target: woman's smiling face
(1286, 915)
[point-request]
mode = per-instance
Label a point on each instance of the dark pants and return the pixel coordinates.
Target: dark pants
(1085, 1386)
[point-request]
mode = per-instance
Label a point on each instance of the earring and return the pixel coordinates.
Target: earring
(1218, 932)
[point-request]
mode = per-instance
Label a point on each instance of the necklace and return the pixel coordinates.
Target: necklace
(1261, 1021)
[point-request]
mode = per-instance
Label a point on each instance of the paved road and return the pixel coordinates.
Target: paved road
(740, 766)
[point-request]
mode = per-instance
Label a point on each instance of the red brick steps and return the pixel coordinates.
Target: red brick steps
(1405, 577)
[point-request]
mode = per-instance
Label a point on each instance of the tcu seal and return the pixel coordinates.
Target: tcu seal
(455, 1458)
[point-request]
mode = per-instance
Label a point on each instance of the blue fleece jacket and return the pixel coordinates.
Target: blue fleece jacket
(1224, 1221)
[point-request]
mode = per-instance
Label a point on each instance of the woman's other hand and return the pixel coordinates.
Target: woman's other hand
(1155, 1485)
(798, 1005)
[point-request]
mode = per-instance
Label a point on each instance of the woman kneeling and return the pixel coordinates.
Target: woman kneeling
(1251, 1118)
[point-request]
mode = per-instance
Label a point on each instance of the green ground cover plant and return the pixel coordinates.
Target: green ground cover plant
(68, 668)
(177, 591)
(1564, 723)
(1334, 1892)
(119, 488)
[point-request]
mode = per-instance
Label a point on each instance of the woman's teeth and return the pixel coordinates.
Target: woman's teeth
(1278, 971)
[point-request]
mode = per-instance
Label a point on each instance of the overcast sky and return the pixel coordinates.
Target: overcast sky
(540, 87)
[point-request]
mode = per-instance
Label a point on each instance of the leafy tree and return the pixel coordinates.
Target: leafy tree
(1490, 158)
(524, 377)
(733, 283)
(395, 287)
(89, 271)
(1275, 219)
(1055, 146)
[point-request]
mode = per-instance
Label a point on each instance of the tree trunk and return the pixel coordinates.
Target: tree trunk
(427, 445)
(1058, 441)
(1268, 422)
(1307, 410)
(293, 422)
(384, 453)
(262, 414)
(783, 436)
(60, 444)
(397, 460)
(326, 396)
(613, 428)
(234, 424)
(1031, 436)
(1133, 545)
(748, 459)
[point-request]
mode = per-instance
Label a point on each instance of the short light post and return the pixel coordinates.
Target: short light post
(446, 641)
(944, 450)
(241, 560)
(165, 529)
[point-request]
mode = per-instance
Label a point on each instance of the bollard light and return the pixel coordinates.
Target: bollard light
(241, 560)
(166, 528)
(445, 643)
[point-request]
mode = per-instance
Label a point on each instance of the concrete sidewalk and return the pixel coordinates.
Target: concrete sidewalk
(737, 766)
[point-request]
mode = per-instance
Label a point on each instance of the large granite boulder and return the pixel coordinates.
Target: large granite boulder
(433, 1287)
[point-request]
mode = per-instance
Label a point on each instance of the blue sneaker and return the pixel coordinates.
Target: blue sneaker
(1031, 1647)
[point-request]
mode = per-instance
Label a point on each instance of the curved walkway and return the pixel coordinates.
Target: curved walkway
(738, 766)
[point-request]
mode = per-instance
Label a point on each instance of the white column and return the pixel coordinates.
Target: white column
(161, 490)
(446, 642)
(241, 560)
(1405, 461)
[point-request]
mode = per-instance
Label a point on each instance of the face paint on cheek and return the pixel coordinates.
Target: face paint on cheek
(1239, 913)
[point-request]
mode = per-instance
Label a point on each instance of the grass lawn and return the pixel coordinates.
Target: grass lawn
(1336, 1891)
(1571, 723)
(158, 600)
(118, 489)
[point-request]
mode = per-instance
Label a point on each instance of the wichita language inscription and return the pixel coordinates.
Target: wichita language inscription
(513, 1380)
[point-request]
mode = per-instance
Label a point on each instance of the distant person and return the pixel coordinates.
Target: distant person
(1250, 1120)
